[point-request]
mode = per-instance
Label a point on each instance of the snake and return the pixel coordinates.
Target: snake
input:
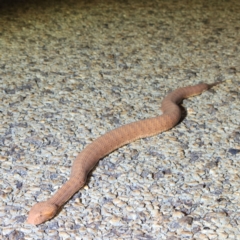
(107, 143)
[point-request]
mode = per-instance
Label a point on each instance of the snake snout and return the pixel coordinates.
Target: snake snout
(41, 212)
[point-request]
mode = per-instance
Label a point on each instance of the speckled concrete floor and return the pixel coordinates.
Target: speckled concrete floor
(71, 70)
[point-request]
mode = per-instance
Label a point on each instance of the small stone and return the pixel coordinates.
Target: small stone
(177, 214)
(115, 221)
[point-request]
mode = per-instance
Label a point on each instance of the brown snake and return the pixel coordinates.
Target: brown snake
(107, 143)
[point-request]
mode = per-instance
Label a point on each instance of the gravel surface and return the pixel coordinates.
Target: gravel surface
(72, 70)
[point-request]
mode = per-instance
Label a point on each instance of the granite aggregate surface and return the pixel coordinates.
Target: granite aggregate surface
(72, 70)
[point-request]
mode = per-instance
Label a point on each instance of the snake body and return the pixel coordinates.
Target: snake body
(105, 144)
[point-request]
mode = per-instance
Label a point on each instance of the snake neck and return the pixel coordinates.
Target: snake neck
(67, 190)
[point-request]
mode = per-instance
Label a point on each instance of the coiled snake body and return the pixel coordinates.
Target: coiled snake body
(107, 143)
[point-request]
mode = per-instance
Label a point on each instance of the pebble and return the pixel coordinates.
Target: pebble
(115, 221)
(63, 234)
(178, 214)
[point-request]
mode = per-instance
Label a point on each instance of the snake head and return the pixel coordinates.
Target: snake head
(41, 212)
